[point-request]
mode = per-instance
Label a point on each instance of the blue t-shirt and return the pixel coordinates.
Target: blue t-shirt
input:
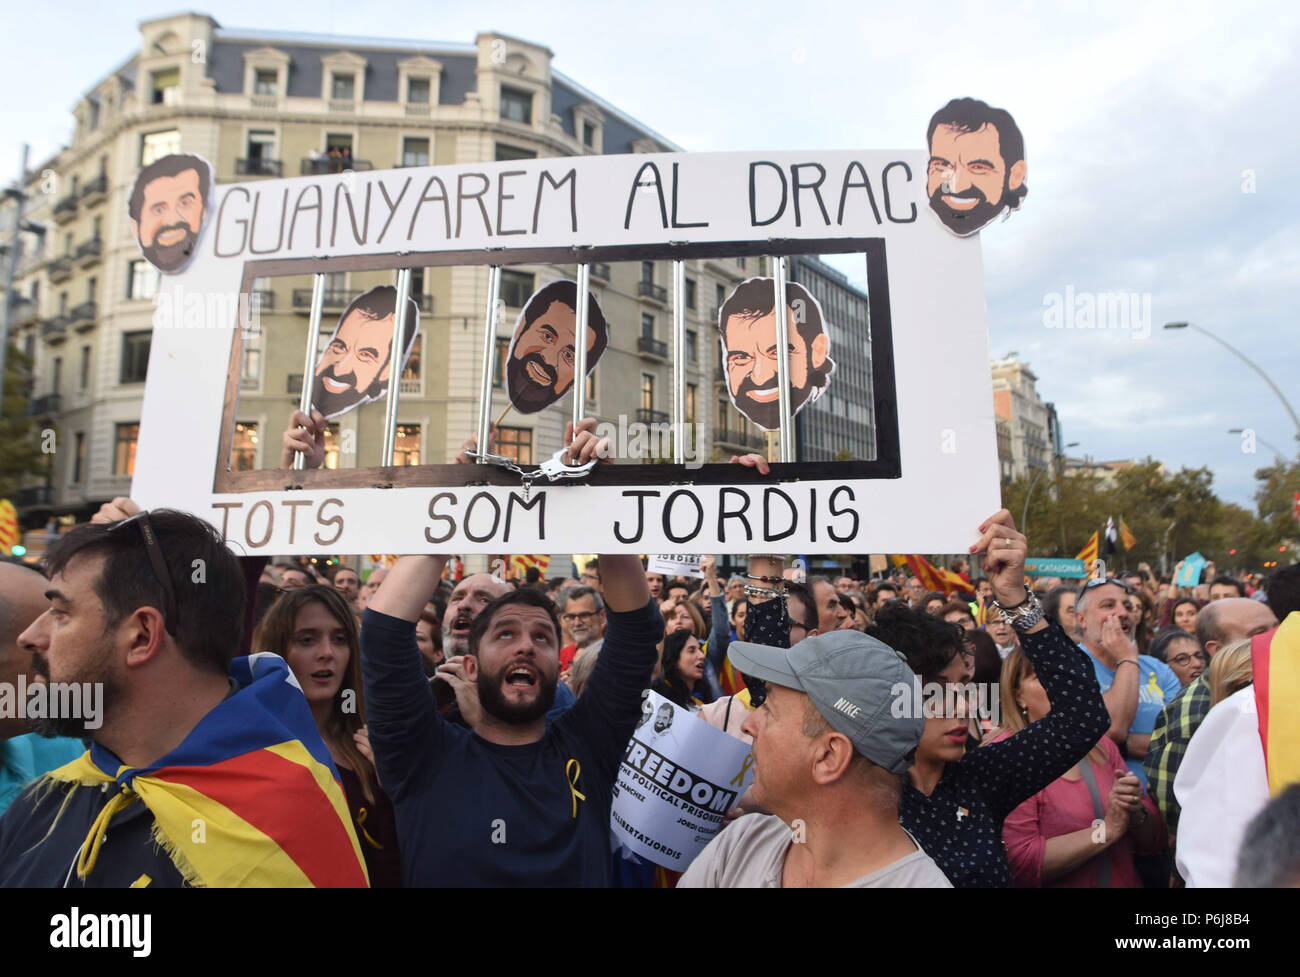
(474, 813)
(1157, 686)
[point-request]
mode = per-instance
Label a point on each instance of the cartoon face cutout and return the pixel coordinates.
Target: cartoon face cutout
(747, 327)
(977, 165)
(541, 363)
(168, 208)
(355, 367)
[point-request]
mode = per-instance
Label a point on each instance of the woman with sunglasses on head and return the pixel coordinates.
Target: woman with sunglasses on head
(314, 630)
(954, 801)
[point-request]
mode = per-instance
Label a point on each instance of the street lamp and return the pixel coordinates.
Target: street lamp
(1024, 515)
(1271, 447)
(1238, 353)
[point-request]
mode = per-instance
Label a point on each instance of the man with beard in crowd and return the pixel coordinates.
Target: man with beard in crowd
(583, 614)
(167, 208)
(977, 165)
(513, 802)
(747, 324)
(540, 367)
(184, 729)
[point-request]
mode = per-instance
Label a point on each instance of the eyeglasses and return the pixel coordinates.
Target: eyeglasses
(578, 617)
(156, 561)
(1183, 660)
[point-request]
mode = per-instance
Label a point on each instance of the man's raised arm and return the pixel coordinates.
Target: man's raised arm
(409, 586)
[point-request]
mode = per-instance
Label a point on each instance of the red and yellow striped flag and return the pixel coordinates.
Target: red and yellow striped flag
(1125, 536)
(9, 534)
(931, 577)
(1089, 552)
(1275, 665)
(520, 562)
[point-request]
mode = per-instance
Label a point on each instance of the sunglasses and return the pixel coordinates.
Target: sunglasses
(156, 562)
(1102, 581)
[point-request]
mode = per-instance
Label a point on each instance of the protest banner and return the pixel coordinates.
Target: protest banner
(675, 564)
(679, 776)
(473, 220)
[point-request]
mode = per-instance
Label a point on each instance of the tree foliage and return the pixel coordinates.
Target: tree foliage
(20, 449)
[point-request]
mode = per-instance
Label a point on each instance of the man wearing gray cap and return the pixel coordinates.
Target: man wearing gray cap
(829, 758)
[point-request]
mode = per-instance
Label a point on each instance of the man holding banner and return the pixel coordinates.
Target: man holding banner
(511, 802)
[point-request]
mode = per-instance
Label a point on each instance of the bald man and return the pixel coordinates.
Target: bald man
(24, 756)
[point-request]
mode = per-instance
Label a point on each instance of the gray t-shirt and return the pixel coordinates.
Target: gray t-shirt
(750, 854)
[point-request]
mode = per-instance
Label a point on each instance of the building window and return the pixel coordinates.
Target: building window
(647, 391)
(515, 443)
(166, 86)
(516, 105)
(92, 122)
(266, 82)
(508, 152)
(332, 445)
(591, 386)
(691, 394)
(499, 370)
(155, 145)
(85, 367)
(406, 446)
(690, 293)
(720, 295)
(57, 375)
(588, 135)
(142, 280)
(343, 87)
(741, 262)
(91, 285)
(135, 356)
(692, 346)
(261, 145)
(79, 458)
(647, 325)
(252, 369)
(647, 271)
(516, 286)
(124, 449)
(417, 91)
(412, 369)
(243, 453)
(415, 152)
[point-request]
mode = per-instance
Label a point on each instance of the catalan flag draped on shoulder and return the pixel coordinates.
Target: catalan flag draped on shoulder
(255, 775)
(1275, 666)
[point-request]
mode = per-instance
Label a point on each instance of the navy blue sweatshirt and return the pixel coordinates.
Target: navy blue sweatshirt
(472, 813)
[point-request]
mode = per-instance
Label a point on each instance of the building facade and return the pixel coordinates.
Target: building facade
(260, 105)
(1025, 437)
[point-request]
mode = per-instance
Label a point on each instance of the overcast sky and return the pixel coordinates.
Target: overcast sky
(1145, 124)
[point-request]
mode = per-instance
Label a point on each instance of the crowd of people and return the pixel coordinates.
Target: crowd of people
(419, 727)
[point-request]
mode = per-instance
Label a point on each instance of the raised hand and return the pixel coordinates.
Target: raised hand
(115, 511)
(306, 436)
(583, 445)
(1004, 549)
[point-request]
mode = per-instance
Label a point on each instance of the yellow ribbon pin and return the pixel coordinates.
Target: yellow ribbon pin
(740, 777)
(573, 770)
(362, 814)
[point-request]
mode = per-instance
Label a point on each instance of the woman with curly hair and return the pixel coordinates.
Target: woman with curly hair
(682, 664)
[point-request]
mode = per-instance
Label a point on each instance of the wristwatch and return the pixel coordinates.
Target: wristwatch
(1024, 615)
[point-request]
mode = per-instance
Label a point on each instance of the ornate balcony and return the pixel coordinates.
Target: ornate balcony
(82, 317)
(651, 347)
(89, 252)
(95, 191)
(258, 167)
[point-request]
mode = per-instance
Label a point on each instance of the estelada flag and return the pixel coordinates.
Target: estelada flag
(1127, 537)
(257, 775)
(1089, 552)
(9, 534)
(1275, 666)
(522, 561)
